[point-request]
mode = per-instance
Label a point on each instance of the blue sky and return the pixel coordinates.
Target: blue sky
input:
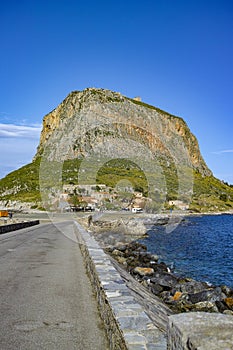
(176, 55)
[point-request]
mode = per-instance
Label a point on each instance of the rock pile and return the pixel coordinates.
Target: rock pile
(180, 294)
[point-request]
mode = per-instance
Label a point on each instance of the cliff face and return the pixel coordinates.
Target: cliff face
(104, 123)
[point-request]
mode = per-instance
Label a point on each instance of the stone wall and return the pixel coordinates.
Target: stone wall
(126, 323)
(17, 226)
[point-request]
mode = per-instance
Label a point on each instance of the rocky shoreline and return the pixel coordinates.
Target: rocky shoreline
(180, 294)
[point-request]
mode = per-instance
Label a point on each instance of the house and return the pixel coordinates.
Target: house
(178, 204)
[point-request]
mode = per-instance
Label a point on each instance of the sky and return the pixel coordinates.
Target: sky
(175, 54)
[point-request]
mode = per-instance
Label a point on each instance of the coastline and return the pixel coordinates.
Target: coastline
(180, 294)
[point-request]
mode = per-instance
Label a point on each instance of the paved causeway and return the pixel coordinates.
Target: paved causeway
(46, 298)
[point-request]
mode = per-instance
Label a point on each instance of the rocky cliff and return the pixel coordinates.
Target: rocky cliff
(100, 122)
(98, 136)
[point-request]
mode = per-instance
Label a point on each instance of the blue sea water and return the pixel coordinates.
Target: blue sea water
(200, 248)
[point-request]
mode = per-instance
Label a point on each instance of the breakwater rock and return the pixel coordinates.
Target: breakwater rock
(123, 227)
(179, 293)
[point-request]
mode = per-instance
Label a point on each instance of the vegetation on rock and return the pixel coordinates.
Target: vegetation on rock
(209, 193)
(118, 131)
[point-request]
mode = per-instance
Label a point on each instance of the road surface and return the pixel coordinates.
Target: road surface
(46, 300)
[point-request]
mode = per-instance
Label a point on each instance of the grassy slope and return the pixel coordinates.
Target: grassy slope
(209, 193)
(24, 182)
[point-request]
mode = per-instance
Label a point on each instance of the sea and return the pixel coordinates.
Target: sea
(201, 247)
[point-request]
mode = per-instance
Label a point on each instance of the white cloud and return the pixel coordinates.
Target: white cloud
(19, 131)
(18, 145)
(223, 151)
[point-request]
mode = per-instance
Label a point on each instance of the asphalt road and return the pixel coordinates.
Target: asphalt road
(46, 300)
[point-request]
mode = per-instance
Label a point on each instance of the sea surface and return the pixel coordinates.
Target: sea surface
(200, 248)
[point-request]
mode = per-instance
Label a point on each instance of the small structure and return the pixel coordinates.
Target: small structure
(137, 98)
(137, 210)
(4, 213)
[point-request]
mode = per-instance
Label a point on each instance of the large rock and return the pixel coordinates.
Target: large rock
(204, 306)
(144, 271)
(210, 295)
(135, 227)
(227, 290)
(103, 122)
(229, 302)
(166, 280)
(191, 286)
(155, 288)
(117, 252)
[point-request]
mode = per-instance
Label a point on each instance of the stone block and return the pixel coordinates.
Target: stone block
(200, 331)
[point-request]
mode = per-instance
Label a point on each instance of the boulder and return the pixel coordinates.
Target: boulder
(160, 268)
(144, 271)
(165, 280)
(167, 297)
(155, 289)
(204, 306)
(229, 303)
(191, 286)
(221, 306)
(177, 296)
(162, 221)
(117, 252)
(135, 227)
(210, 295)
(122, 260)
(121, 247)
(227, 290)
(154, 257)
(145, 257)
(228, 312)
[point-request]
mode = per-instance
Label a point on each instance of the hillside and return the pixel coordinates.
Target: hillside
(98, 136)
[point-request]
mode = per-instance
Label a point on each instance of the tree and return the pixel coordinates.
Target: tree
(74, 200)
(223, 197)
